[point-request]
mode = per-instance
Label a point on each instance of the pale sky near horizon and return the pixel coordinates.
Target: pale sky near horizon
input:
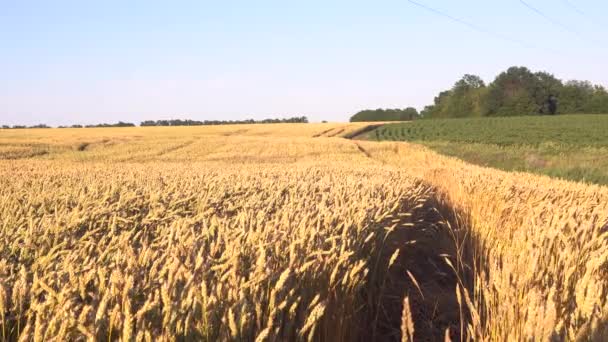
(81, 62)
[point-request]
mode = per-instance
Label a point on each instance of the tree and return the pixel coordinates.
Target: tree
(546, 91)
(468, 82)
(507, 94)
(408, 114)
(427, 112)
(518, 91)
(598, 103)
(439, 107)
(380, 114)
(463, 100)
(576, 96)
(465, 97)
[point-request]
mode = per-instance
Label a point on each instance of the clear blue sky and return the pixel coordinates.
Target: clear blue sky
(64, 62)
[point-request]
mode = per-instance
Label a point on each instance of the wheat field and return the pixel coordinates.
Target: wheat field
(288, 232)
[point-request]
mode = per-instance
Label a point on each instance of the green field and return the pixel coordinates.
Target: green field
(573, 147)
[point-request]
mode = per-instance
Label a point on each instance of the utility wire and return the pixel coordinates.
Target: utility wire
(460, 21)
(593, 21)
(476, 27)
(574, 7)
(582, 13)
(565, 27)
(551, 20)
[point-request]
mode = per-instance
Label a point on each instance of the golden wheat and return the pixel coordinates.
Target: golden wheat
(285, 232)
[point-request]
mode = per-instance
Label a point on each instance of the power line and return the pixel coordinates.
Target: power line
(560, 24)
(548, 18)
(476, 27)
(460, 21)
(582, 13)
(575, 8)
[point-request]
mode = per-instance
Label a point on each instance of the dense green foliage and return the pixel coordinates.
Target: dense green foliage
(369, 115)
(568, 146)
(464, 99)
(178, 122)
(517, 91)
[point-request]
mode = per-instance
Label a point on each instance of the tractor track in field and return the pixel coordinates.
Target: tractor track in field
(363, 150)
(429, 242)
(175, 148)
(434, 239)
(318, 135)
(336, 133)
(359, 132)
(367, 154)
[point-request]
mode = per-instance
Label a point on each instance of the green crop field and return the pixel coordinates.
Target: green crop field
(573, 147)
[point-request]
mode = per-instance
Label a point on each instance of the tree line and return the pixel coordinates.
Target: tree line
(23, 127)
(518, 91)
(177, 122)
(174, 122)
(380, 114)
(118, 124)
